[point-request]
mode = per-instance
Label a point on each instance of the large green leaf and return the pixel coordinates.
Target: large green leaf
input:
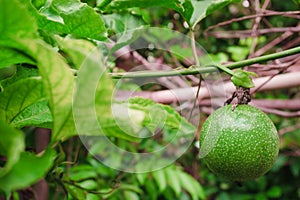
(159, 114)
(18, 96)
(95, 87)
(21, 72)
(10, 57)
(15, 20)
(11, 145)
(77, 49)
(37, 114)
(57, 78)
(29, 169)
(140, 118)
(57, 82)
(93, 97)
(195, 11)
(71, 17)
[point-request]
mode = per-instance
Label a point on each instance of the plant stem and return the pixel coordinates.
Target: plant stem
(265, 58)
(206, 69)
(194, 49)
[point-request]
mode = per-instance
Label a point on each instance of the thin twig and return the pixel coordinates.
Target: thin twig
(268, 13)
(288, 129)
(247, 33)
(272, 43)
(280, 112)
(256, 25)
(293, 43)
(271, 77)
(69, 152)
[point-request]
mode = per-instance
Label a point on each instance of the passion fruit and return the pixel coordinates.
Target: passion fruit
(239, 144)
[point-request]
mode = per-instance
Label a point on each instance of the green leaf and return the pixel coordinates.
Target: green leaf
(58, 82)
(29, 169)
(243, 78)
(15, 20)
(57, 78)
(76, 49)
(92, 113)
(85, 54)
(151, 190)
(21, 73)
(82, 172)
(173, 180)
(18, 96)
(38, 115)
(195, 11)
(7, 72)
(274, 192)
(125, 4)
(120, 23)
(219, 4)
(211, 59)
(10, 57)
(137, 117)
(90, 184)
(71, 17)
(295, 168)
(141, 177)
(129, 195)
(97, 89)
(127, 28)
(38, 3)
(11, 145)
(192, 10)
(238, 52)
(75, 192)
(158, 115)
(110, 127)
(191, 185)
(126, 38)
(160, 179)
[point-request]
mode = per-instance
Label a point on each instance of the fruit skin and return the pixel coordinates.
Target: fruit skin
(239, 144)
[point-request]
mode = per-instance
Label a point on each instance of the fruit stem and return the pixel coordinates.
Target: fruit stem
(243, 97)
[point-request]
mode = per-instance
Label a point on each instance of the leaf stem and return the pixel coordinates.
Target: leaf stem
(194, 49)
(206, 69)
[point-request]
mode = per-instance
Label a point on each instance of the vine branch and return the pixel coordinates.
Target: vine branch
(206, 69)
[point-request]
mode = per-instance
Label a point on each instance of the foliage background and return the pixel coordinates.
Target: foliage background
(37, 52)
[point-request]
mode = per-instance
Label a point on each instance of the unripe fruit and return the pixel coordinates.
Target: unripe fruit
(239, 144)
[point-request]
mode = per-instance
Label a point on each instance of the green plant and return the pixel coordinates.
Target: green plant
(50, 48)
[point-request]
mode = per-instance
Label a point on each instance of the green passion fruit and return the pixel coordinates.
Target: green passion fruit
(239, 144)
